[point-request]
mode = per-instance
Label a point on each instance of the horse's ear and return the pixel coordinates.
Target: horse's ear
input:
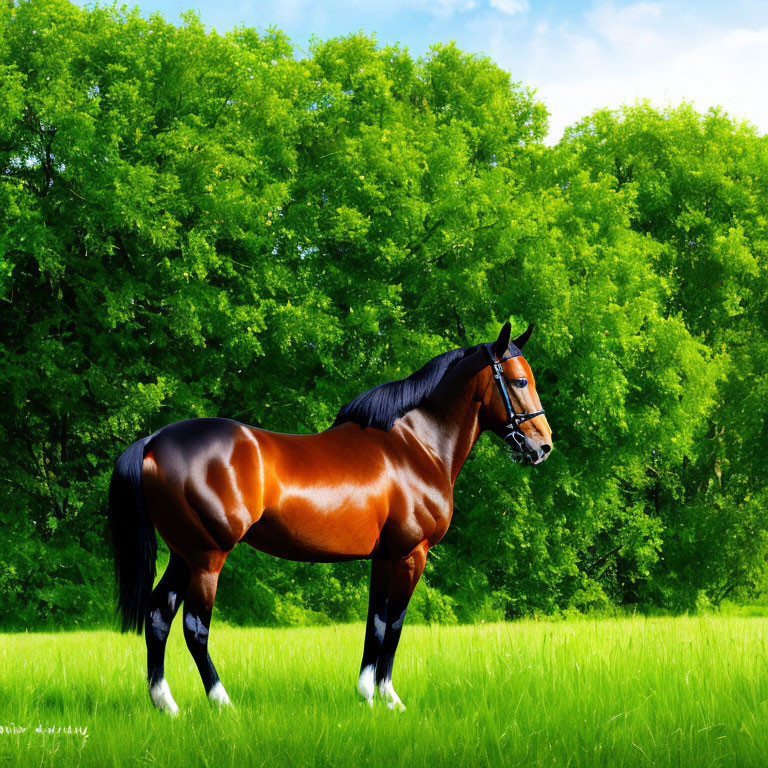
(521, 340)
(500, 346)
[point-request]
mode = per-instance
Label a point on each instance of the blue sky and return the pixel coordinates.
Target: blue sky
(578, 55)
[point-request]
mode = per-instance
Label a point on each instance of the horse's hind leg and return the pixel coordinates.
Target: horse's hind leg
(375, 628)
(163, 605)
(198, 606)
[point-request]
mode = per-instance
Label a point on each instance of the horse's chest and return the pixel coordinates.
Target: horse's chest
(421, 509)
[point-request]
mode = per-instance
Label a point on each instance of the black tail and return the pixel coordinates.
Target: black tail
(133, 538)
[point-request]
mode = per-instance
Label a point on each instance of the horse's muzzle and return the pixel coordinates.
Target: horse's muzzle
(522, 452)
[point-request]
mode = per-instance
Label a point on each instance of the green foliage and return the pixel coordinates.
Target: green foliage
(199, 224)
(700, 184)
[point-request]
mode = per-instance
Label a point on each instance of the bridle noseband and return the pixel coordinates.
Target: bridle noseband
(514, 438)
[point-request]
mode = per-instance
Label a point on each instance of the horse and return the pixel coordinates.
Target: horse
(377, 485)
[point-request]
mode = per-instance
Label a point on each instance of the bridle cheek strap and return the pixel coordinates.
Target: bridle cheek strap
(514, 438)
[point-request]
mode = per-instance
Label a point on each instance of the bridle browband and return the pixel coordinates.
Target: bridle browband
(514, 438)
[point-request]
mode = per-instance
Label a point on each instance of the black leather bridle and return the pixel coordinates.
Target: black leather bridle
(514, 438)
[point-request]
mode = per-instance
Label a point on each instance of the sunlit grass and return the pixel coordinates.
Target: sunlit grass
(632, 692)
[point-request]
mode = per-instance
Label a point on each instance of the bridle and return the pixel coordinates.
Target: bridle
(514, 438)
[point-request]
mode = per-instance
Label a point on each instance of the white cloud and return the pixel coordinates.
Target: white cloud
(510, 7)
(618, 55)
(444, 9)
(355, 14)
(633, 25)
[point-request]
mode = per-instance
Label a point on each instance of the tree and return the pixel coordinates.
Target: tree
(700, 184)
(199, 224)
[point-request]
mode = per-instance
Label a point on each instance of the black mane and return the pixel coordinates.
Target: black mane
(381, 406)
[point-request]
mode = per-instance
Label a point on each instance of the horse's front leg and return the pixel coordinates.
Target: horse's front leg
(404, 576)
(375, 628)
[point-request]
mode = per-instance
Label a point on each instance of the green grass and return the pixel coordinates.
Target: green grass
(631, 692)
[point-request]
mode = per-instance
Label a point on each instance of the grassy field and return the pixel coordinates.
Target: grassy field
(632, 692)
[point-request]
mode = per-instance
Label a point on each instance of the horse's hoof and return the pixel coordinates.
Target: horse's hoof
(161, 697)
(366, 687)
(218, 695)
(390, 697)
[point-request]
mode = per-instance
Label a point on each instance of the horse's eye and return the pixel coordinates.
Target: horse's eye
(520, 383)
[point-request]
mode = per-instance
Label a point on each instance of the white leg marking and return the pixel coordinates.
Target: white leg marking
(161, 697)
(218, 695)
(388, 695)
(366, 686)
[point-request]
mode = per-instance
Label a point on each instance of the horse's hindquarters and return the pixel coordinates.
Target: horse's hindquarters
(200, 480)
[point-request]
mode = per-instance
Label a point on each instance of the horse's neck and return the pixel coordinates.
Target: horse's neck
(448, 429)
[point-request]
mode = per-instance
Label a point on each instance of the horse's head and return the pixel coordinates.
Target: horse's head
(511, 407)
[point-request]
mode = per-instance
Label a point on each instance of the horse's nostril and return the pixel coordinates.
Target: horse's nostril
(545, 449)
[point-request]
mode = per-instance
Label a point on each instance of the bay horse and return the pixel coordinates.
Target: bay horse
(378, 485)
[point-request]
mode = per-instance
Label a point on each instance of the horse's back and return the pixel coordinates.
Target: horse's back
(326, 495)
(191, 437)
(212, 482)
